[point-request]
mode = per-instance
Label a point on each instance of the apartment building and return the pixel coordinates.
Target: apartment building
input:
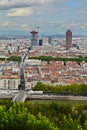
(9, 82)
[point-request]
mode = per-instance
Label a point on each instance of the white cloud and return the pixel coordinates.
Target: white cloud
(4, 24)
(71, 25)
(3, 2)
(77, 26)
(84, 26)
(24, 26)
(8, 24)
(7, 4)
(20, 12)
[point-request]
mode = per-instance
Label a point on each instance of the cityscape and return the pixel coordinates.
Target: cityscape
(43, 65)
(28, 71)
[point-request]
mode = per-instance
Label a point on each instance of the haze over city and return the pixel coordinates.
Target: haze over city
(53, 16)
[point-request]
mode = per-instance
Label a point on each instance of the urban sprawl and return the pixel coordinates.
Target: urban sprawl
(57, 72)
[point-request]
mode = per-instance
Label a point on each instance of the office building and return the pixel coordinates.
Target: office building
(68, 40)
(40, 42)
(50, 40)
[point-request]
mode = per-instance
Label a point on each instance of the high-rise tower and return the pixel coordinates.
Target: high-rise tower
(50, 40)
(68, 39)
(34, 38)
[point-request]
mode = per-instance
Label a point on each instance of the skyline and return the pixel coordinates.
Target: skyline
(52, 16)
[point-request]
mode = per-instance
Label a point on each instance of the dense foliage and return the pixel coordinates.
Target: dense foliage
(50, 58)
(2, 59)
(43, 115)
(14, 58)
(73, 89)
(38, 115)
(18, 118)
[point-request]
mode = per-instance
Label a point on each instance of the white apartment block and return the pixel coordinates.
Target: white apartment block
(9, 82)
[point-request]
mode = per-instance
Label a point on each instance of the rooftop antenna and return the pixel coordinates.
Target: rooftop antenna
(37, 28)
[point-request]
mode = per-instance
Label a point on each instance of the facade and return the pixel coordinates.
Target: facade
(40, 42)
(68, 40)
(34, 38)
(50, 40)
(9, 82)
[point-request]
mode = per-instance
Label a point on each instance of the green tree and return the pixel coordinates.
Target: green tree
(18, 118)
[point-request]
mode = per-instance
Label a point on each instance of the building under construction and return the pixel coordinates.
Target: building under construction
(34, 38)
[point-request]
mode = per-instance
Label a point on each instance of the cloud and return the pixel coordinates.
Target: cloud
(12, 25)
(71, 25)
(82, 26)
(51, 10)
(19, 12)
(5, 24)
(15, 8)
(8, 4)
(24, 26)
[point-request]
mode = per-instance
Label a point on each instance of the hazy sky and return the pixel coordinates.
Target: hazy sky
(52, 16)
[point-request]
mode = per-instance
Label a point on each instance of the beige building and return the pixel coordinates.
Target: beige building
(9, 82)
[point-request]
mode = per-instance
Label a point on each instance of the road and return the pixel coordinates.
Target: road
(56, 97)
(22, 79)
(21, 96)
